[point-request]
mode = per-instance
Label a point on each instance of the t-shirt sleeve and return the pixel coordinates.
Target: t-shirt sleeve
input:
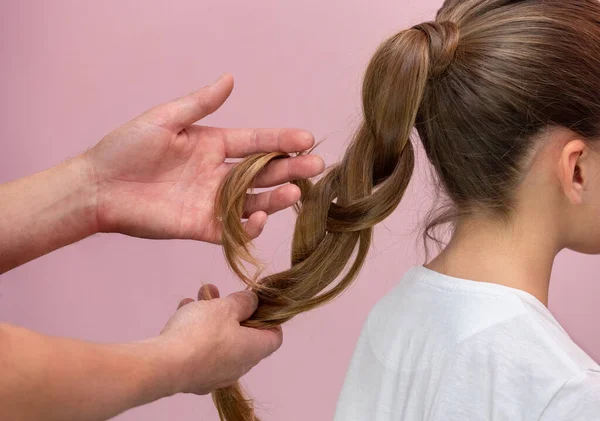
(577, 400)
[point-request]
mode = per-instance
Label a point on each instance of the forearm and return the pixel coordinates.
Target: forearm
(45, 211)
(62, 379)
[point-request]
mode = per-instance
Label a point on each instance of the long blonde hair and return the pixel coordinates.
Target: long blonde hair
(477, 83)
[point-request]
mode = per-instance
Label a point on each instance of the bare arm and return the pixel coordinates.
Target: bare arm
(45, 211)
(39, 373)
(202, 348)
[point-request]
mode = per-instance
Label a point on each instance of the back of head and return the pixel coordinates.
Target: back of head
(519, 67)
(478, 84)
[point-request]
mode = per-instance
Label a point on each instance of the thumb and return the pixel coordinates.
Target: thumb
(243, 304)
(185, 111)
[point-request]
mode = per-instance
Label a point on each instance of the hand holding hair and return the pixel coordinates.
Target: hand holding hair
(214, 349)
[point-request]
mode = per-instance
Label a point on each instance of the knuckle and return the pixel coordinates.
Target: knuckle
(225, 306)
(252, 298)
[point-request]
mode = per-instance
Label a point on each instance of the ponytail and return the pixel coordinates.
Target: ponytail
(336, 214)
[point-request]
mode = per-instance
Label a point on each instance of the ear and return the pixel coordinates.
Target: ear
(572, 170)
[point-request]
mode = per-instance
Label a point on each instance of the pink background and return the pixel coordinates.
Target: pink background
(71, 71)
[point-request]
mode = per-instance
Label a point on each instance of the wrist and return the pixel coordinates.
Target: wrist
(168, 367)
(87, 187)
(57, 207)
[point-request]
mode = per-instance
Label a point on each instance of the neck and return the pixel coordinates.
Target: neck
(518, 255)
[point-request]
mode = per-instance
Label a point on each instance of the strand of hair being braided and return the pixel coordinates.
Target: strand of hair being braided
(337, 213)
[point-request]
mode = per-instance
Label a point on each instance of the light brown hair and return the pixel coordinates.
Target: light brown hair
(478, 84)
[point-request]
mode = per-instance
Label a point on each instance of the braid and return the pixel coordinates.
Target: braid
(337, 213)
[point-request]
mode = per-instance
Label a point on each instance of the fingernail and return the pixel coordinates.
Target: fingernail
(254, 297)
(204, 293)
(219, 79)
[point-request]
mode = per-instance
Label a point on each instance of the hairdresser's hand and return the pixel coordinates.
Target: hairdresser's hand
(157, 175)
(213, 349)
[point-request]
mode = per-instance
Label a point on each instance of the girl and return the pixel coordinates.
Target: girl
(505, 96)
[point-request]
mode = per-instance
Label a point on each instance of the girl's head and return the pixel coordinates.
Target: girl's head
(505, 97)
(511, 112)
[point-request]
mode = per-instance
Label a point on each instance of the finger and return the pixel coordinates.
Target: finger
(243, 142)
(255, 224)
(184, 302)
(280, 171)
(185, 111)
(261, 343)
(243, 304)
(208, 292)
(272, 201)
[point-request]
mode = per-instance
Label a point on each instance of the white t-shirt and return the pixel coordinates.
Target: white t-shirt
(439, 348)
